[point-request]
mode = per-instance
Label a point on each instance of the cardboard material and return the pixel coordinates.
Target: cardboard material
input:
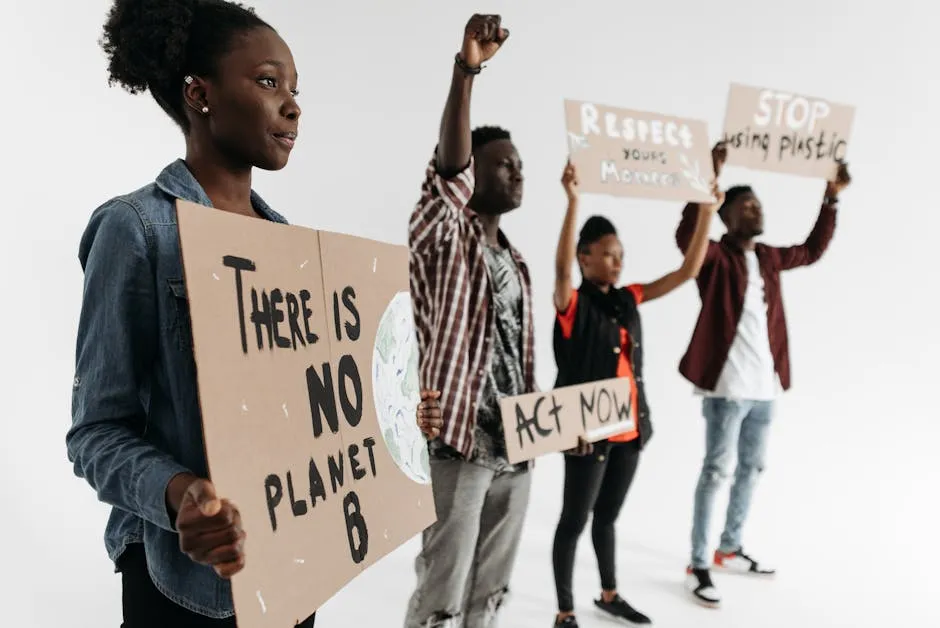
(623, 152)
(308, 386)
(549, 422)
(779, 131)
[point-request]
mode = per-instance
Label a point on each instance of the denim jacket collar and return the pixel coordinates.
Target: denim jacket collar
(178, 181)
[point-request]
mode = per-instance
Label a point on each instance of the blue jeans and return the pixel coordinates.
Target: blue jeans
(729, 422)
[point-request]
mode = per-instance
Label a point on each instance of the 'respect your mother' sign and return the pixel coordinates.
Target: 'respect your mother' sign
(622, 152)
(779, 131)
(307, 366)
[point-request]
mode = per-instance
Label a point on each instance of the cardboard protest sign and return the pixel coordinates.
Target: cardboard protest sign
(623, 152)
(548, 422)
(780, 131)
(307, 367)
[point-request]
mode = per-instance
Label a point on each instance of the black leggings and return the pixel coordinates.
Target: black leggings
(597, 482)
(146, 607)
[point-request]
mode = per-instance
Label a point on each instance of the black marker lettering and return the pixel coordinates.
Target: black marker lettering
(262, 317)
(293, 317)
(298, 507)
(749, 140)
(524, 424)
(336, 325)
(354, 521)
(312, 338)
(322, 400)
(349, 372)
(336, 471)
(586, 405)
(352, 329)
(839, 149)
(273, 492)
(277, 317)
(820, 145)
(602, 416)
(316, 484)
(354, 467)
(369, 443)
(240, 264)
(623, 408)
(785, 143)
(554, 412)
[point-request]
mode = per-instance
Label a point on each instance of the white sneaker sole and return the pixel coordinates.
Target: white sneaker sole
(738, 572)
(705, 603)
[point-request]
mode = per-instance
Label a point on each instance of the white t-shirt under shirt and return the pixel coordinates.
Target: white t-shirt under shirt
(749, 370)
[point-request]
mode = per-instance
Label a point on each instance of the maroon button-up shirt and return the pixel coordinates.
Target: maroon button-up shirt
(722, 282)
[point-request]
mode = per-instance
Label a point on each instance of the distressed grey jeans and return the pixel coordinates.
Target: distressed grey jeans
(467, 556)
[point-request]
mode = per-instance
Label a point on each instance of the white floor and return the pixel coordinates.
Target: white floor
(846, 510)
(839, 514)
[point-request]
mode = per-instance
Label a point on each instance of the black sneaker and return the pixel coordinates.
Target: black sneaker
(567, 622)
(620, 609)
(699, 583)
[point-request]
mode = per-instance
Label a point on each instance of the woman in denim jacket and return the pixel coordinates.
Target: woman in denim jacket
(229, 82)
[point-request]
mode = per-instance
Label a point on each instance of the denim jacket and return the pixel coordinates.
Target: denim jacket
(135, 409)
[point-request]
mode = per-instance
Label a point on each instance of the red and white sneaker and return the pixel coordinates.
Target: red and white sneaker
(700, 585)
(740, 563)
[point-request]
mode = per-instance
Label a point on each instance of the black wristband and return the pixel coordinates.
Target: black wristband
(466, 68)
(831, 200)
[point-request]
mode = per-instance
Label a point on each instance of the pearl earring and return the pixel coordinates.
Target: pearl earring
(205, 110)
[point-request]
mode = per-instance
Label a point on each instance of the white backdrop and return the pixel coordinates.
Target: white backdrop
(849, 497)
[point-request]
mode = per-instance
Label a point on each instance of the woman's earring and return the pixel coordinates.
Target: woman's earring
(205, 110)
(188, 80)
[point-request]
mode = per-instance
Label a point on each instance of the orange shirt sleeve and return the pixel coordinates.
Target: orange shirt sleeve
(566, 318)
(636, 290)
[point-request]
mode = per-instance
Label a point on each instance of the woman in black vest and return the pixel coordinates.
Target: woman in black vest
(598, 336)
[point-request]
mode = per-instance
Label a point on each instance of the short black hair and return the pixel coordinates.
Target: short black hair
(731, 194)
(483, 135)
(154, 44)
(595, 228)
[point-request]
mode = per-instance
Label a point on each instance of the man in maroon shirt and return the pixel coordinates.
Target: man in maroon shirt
(738, 360)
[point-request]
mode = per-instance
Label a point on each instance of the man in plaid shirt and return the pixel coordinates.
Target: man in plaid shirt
(472, 301)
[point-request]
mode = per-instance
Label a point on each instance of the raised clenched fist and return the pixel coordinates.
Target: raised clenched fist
(483, 36)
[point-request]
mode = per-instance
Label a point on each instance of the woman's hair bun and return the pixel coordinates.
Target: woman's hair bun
(146, 40)
(595, 228)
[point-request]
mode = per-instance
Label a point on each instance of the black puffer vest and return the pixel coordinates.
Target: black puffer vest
(593, 351)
